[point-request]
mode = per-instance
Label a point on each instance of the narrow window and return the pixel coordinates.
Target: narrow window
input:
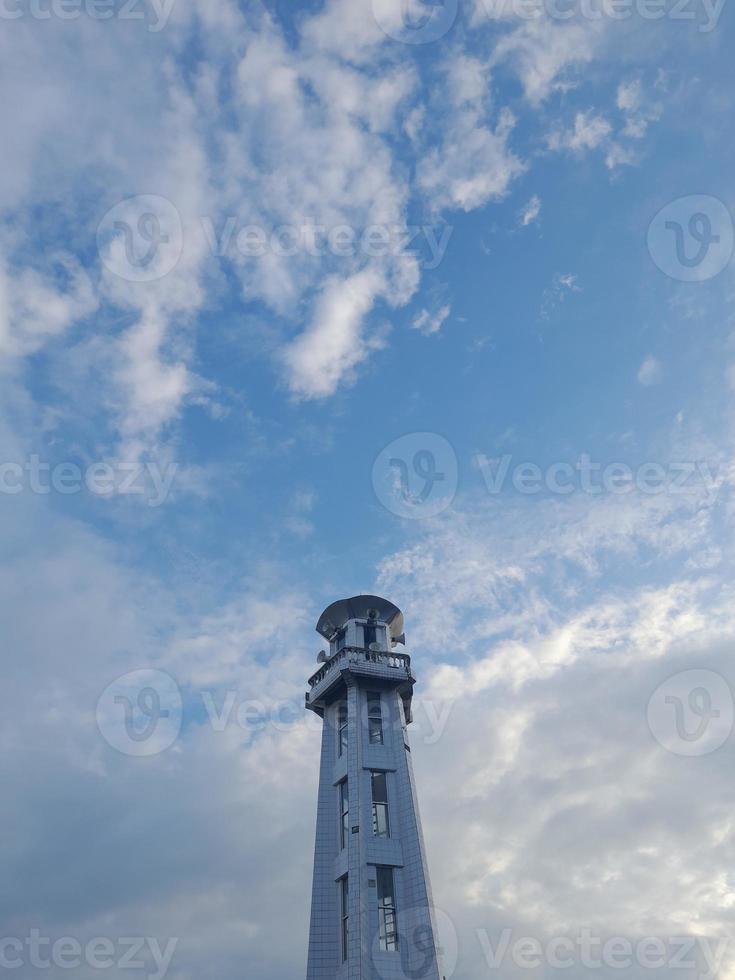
(344, 889)
(344, 813)
(341, 639)
(370, 635)
(342, 729)
(387, 910)
(381, 824)
(375, 719)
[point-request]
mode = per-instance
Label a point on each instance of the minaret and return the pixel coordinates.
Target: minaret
(371, 907)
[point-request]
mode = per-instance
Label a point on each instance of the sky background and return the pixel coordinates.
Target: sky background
(238, 439)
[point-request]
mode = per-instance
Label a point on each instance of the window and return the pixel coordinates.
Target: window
(381, 825)
(342, 728)
(340, 639)
(387, 911)
(344, 813)
(375, 719)
(370, 635)
(344, 889)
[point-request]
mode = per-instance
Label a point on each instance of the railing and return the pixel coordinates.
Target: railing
(398, 661)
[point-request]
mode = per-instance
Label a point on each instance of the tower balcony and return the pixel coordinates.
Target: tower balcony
(378, 665)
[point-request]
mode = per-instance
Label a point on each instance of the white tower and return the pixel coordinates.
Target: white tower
(371, 912)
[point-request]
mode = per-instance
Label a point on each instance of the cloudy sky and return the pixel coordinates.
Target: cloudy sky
(303, 299)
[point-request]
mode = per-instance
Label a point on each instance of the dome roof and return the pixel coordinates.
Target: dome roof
(357, 607)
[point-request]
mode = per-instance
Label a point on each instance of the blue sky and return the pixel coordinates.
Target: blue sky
(540, 315)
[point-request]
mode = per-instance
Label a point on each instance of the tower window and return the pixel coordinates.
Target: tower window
(375, 719)
(344, 812)
(370, 635)
(340, 639)
(344, 890)
(342, 729)
(387, 910)
(381, 823)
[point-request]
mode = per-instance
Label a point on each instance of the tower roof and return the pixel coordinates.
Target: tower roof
(360, 607)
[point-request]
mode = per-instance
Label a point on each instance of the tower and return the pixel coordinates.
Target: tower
(371, 907)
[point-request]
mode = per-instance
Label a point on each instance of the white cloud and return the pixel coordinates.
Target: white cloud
(262, 161)
(547, 804)
(108, 620)
(468, 80)
(530, 212)
(148, 143)
(588, 132)
(637, 112)
(468, 160)
(431, 323)
(618, 156)
(629, 95)
(650, 371)
(35, 308)
(593, 131)
(565, 794)
(329, 350)
(350, 29)
(544, 53)
(309, 138)
(474, 165)
(563, 285)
